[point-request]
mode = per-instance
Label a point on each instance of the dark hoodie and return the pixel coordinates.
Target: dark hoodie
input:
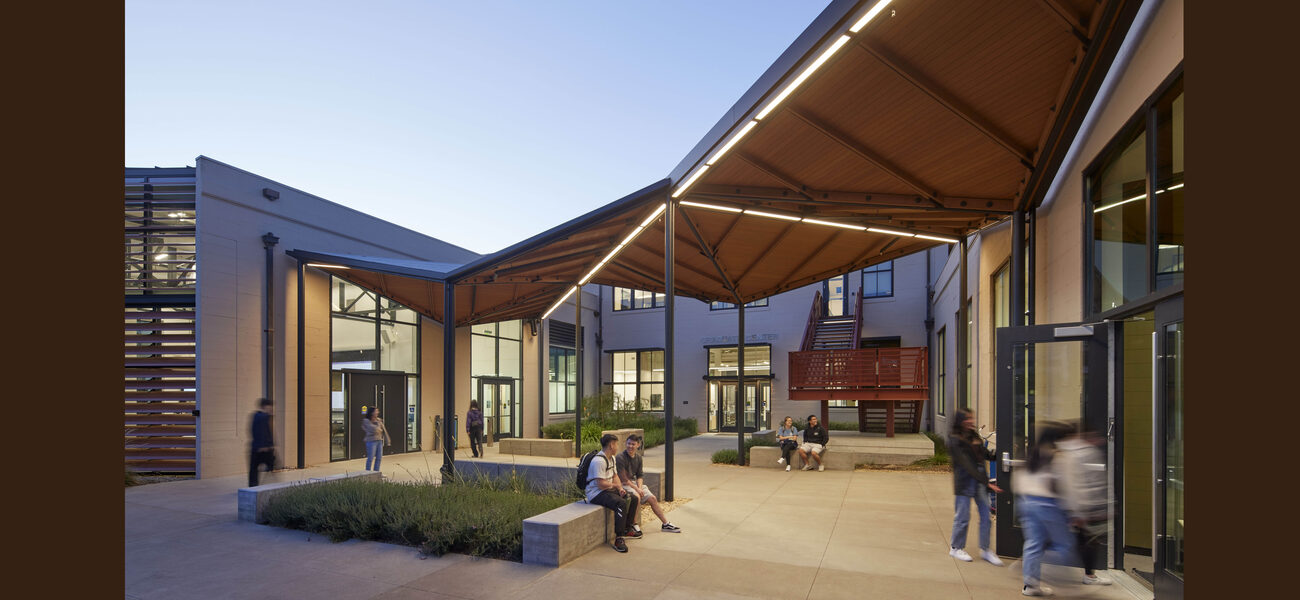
(969, 463)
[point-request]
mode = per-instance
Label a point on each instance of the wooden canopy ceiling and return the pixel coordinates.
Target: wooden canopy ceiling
(937, 118)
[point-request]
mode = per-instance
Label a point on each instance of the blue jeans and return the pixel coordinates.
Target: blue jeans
(961, 519)
(375, 452)
(1046, 529)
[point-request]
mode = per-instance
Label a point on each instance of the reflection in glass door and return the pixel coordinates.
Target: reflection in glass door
(1045, 373)
(833, 296)
(1169, 476)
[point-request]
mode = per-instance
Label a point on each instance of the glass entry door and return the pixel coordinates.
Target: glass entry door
(722, 405)
(500, 407)
(1169, 451)
(833, 297)
(1045, 373)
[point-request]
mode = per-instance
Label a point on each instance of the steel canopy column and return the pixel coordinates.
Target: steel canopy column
(740, 384)
(670, 291)
(577, 344)
(963, 400)
(1017, 268)
(1029, 276)
(448, 377)
(302, 365)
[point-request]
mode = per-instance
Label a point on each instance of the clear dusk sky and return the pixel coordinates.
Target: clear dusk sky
(480, 123)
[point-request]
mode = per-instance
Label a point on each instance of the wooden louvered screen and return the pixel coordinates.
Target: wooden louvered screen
(160, 414)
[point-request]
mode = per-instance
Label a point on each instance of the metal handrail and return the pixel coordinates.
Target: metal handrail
(810, 328)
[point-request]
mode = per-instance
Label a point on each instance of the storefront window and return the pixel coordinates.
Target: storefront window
(1119, 227)
(1169, 188)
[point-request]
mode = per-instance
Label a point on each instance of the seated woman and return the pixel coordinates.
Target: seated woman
(788, 438)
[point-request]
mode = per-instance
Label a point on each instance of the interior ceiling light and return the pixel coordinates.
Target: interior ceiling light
(1120, 203)
(759, 213)
(160, 256)
(891, 232)
(798, 81)
(561, 301)
(871, 14)
(732, 142)
(712, 206)
(327, 266)
(681, 189)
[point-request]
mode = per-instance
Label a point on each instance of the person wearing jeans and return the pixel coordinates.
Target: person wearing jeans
(1044, 521)
(603, 489)
(376, 437)
(970, 481)
(788, 437)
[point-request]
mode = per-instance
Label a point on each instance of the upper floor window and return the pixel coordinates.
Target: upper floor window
(727, 305)
(878, 280)
(638, 380)
(629, 299)
(1134, 195)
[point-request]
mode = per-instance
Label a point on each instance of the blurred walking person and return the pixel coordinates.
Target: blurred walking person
(474, 427)
(1080, 466)
(970, 481)
(1045, 523)
(262, 448)
(376, 437)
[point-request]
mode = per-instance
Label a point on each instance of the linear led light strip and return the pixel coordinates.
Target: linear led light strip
(759, 213)
(780, 97)
(608, 257)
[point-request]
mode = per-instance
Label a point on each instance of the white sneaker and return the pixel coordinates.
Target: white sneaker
(1039, 590)
(1096, 580)
(991, 558)
(821, 467)
(780, 461)
(787, 467)
(806, 468)
(959, 554)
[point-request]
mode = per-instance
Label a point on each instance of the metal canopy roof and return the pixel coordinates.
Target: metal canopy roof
(937, 118)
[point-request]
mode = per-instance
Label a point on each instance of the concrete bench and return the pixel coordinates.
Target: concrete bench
(764, 434)
(558, 536)
(623, 435)
(536, 447)
(765, 456)
(253, 501)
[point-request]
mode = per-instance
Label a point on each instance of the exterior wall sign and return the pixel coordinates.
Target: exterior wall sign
(753, 338)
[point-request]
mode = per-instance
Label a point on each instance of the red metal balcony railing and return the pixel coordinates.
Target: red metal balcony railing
(869, 369)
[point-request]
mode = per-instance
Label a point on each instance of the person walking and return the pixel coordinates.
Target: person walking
(788, 437)
(474, 427)
(1045, 523)
(376, 437)
(970, 481)
(1080, 467)
(262, 448)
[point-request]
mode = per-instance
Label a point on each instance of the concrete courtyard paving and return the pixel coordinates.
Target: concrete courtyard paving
(748, 533)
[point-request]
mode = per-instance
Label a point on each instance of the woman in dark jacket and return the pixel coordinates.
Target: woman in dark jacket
(474, 427)
(970, 480)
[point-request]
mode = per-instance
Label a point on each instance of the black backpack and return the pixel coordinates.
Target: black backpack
(584, 466)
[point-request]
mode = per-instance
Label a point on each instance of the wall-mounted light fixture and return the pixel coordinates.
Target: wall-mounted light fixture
(270, 194)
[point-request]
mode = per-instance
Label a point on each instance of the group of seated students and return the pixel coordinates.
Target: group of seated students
(615, 480)
(815, 438)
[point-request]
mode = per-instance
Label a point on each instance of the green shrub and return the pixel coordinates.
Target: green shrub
(940, 452)
(725, 457)
(843, 426)
(651, 424)
(131, 477)
(480, 518)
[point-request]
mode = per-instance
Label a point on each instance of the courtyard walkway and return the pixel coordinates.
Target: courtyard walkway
(748, 533)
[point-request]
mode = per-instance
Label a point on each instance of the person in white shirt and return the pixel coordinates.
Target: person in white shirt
(1039, 508)
(603, 489)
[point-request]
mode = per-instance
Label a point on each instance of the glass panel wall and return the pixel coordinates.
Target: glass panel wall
(637, 380)
(758, 361)
(1169, 188)
(496, 351)
(1119, 226)
(563, 375)
(730, 305)
(370, 332)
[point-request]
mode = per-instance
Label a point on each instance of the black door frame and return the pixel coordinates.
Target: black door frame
(762, 402)
(1166, 584)
(351, 423)
(1095, 411)
(516, 417)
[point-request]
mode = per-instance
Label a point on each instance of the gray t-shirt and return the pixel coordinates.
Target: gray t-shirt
(601, 468)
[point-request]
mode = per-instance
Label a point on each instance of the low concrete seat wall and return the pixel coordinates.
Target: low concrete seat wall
(839, 457)
(554, 448)
(764, 434)
(623, 435)
(253, 501)
(558, 536)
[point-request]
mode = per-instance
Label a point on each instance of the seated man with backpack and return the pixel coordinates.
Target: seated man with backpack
(599, 480)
